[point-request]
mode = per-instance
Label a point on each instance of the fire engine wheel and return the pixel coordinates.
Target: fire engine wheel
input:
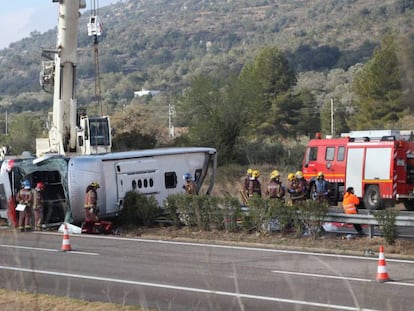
(372, 198)
(409, 205)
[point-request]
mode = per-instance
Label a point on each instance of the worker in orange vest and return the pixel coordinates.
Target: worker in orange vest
(349, 204)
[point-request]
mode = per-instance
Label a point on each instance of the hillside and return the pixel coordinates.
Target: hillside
(161, 44)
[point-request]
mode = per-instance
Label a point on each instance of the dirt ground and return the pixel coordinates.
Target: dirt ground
(327, 242)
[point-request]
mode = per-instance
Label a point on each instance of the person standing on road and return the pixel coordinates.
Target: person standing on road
(91, 200)
(38, 205)
(349, 204)
(25, 198)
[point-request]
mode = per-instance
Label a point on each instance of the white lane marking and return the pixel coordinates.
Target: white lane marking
(338, 277)
(191, 289)
(47, 249)
(323, 276)
(283, 251)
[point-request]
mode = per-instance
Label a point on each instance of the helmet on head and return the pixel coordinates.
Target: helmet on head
(291, 176)
(274, 174)
(299, 174)
(95, 184)
(40, 185)
(320, 174)
(26, 184)
(256, 173)
(249, 171)
(187, 176)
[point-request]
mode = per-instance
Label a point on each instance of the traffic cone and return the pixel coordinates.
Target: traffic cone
(382, 274)
(66, 243)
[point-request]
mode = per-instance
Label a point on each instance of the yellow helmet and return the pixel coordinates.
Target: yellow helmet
(291, 176)
(320, 174)
(274, 174)
(299, 174)
(249, 171)
(256, 173)
(95, 184)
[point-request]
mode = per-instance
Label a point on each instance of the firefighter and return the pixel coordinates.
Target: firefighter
(298, 189)
(255, 187)
(275, 189)
(25, 198)
(321, 188)
(190, 186)
(349, 204)
(38, 205)
(247, 181)
(91, 200)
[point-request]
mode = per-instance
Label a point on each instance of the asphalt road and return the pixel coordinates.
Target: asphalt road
(189, 276)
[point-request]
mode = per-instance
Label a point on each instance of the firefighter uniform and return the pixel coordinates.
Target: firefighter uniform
(321, 188)
(38, 205)
(91, 199)
(255, 186)
(298, 189)
(25, 197)
(190, 186)
(275, 189)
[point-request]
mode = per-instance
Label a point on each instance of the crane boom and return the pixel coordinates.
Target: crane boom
(70, 131)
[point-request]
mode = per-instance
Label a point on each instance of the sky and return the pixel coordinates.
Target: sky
(18, 18)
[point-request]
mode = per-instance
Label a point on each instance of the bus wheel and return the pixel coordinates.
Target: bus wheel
(372, 198)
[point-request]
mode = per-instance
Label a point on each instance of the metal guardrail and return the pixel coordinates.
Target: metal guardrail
(368, 219)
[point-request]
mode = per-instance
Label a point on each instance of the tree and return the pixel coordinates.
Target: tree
(263, 80)
(378, 86)
(23, 130)
(215, 114)
(295, 114)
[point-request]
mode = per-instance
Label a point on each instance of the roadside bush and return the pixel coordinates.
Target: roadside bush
(139, 209)
(284, 214)
(171, 206)
(196, 210)
(386, 220)
(256, 217)
(311, 215)
(231, 212)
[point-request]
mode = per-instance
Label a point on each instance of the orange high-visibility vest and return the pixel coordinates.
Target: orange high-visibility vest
(349, 203)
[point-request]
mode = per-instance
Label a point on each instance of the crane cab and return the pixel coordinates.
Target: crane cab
(94, 26)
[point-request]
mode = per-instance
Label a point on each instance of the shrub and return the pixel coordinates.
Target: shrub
(139, 209)
(312, 214)
(386, 220)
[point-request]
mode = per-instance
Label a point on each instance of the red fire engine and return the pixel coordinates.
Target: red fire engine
(378, 164)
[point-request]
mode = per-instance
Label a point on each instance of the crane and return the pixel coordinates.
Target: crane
(71, 130)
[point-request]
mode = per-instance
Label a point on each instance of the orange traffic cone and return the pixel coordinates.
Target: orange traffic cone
(66, 243)
(382, 274)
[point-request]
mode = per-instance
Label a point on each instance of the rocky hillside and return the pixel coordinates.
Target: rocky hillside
(161, 44)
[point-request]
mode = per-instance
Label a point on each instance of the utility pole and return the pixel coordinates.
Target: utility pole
(332, 118)
(171, 114)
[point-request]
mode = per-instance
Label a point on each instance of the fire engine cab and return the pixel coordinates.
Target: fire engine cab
(378, 164)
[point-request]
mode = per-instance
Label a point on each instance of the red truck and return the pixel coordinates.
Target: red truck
(378, 164)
